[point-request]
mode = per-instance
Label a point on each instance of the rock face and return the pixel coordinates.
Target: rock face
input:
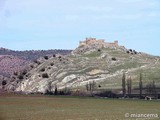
(94, 60)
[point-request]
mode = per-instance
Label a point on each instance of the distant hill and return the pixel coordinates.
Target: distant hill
(32, 54)
(93, 61)
(9, 64)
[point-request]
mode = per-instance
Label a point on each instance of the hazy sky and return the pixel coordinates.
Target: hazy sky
(52, 24)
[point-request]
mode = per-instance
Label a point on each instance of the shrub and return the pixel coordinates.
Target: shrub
(54, 55)
(135, 52)
(128, 52)
(15, 73)
(45, 75)
(32, 66)
(4, 82)
(99, 50)
(20, 77)
(24, 72)
(52, 64)
(114, 59)
(49, 68)
(46, 57)
(99, 86)
(27, 75)
(37, 62)
(42, 70)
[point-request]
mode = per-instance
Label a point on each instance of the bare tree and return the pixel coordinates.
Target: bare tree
(50, 86)
(49, 90)
(140, 86)
(129, 86)
(87, 86)
(124, 84)
(92, 85)
(154, 88)
(151, 88)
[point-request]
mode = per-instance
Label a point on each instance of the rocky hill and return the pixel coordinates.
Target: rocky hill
(15, 61)
(93, 61)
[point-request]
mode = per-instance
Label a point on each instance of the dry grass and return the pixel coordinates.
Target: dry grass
(71, 108)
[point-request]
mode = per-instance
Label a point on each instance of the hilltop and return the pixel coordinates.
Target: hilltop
(93, 61)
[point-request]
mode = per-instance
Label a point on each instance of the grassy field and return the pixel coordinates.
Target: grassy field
(72, 108)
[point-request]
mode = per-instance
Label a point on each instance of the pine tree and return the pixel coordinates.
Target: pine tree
(56, 90)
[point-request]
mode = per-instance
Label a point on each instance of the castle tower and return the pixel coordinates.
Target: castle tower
(116, 42)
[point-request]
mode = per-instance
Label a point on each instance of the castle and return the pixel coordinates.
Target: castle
(94, 41)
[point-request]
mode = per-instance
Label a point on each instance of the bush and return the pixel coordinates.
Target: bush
(99, 86)
(15, 73)
(4, 82)
(114, 59)
(45, 75)
(46, 57)
(20, 77)
(32, 66)
(135, 52)
(42, 70)
(52, 64)
(54, 55)
(49, 68)
(128, 52)
(24, 72)
(99, 50)
(37, 62)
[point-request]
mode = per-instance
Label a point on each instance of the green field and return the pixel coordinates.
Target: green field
(73, 108)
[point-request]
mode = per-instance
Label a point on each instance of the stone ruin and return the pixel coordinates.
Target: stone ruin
(91, 44)
(94, 41)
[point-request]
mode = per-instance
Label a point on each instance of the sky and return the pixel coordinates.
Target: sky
(61, 24)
